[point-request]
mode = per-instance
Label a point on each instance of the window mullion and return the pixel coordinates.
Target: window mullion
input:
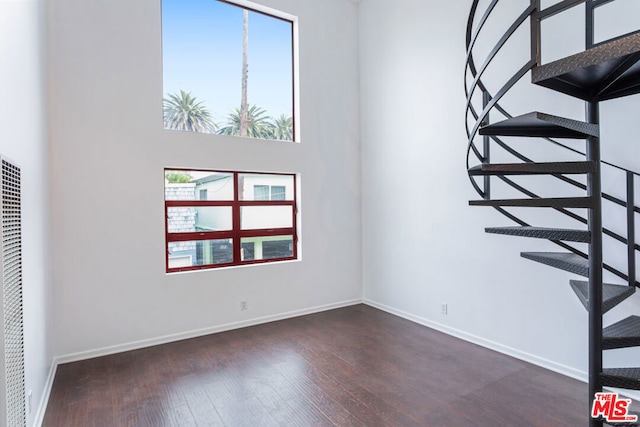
(237, 247)
(262, 232)
(199, 235)
(190, 203)
(294, 222)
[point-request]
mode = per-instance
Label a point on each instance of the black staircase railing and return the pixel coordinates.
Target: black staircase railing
(490, 102)
(481, 102)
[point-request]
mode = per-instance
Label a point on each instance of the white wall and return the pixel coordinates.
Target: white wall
(109, 149)
(23, 140)
(422, 244)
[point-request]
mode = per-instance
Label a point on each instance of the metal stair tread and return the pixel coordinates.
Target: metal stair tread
(612, 295)
(567, 261)
(538, 124)
(562, 234)
(628, 378)
(625, 333)
(533, 168)
(559, 202)
(592, 74)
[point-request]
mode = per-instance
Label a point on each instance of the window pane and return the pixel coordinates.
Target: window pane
(258, 217)
(278, 192)
(269, 247)
(282, 183)
(181, 220)
(198, 185)
(261, 192)
(200, 252)
(199, 218)
(248, 250)
(203, 65)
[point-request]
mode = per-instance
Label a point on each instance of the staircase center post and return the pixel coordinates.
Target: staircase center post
(594, 190)
(631, 229)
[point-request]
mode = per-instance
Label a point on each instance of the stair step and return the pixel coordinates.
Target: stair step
(612, 295)
(608, 71)
(562, 202)
(563, 260)
(628, 378)
(542, 125)
(566, 168)
(625, 333)
(543, 233)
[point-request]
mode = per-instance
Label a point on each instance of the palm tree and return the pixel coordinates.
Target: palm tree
(258, 124)
(282, 128)
(244, 105)
(183, 112)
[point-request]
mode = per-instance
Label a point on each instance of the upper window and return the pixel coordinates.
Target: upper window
(220, 218)
(229, 69)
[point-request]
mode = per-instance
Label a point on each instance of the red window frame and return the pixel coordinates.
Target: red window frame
(236, 234)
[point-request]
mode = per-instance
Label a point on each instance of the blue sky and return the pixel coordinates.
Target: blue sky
(202, 54)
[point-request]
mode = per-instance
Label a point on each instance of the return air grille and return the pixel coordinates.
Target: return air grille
(12, 295)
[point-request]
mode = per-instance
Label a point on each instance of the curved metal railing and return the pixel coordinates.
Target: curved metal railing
(478, 116)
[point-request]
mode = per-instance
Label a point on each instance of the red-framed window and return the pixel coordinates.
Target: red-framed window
(219, 218)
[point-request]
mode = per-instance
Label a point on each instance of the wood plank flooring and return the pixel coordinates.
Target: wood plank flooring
(355, 366)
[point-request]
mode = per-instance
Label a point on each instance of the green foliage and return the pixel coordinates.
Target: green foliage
(183, 112)
(282, 128)
(258, 124)
(178, 177)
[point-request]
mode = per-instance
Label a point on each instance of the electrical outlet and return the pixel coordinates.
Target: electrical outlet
(243, 305)
(444, 308)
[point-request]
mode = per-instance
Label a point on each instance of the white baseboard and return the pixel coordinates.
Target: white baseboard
(44, 401)
(135, 345)
(518, 354)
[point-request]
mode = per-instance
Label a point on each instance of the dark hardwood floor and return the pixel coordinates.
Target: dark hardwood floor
(355, 366)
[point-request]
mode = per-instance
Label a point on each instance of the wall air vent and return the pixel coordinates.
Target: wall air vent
(13, 339)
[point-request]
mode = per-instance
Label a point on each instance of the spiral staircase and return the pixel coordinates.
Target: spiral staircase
(603, 71)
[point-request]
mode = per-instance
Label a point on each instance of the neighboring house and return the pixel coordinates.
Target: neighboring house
(181, 220)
